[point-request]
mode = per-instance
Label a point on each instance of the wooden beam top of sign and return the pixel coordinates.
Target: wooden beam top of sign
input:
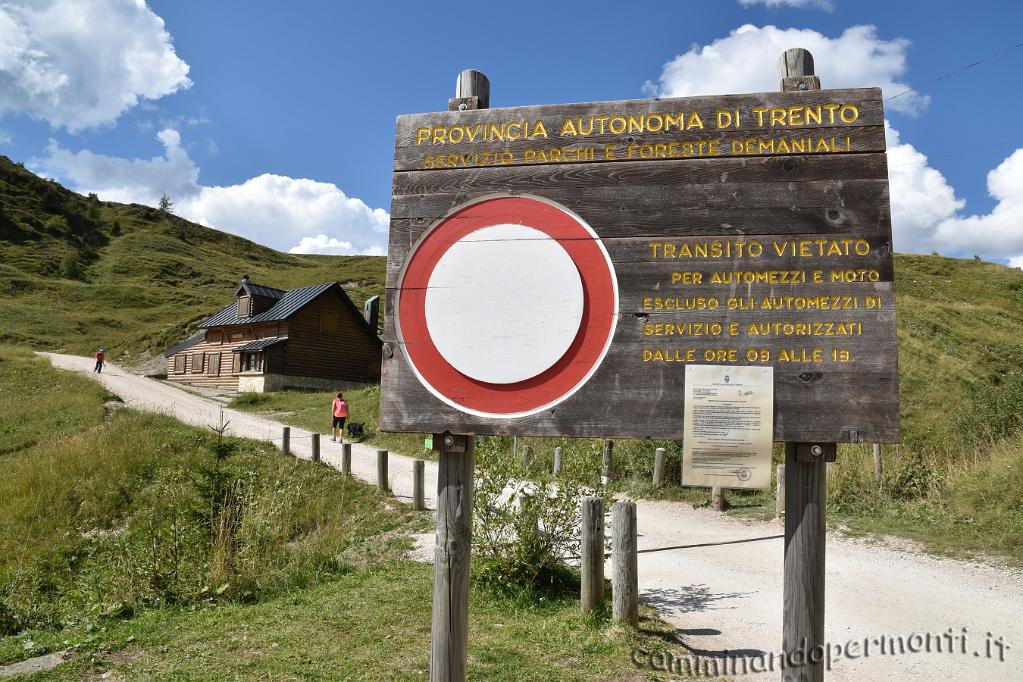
(764, 124)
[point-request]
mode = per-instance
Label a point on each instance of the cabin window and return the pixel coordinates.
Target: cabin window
(197, 363)
(244, 306)
(251, 362)
(215, 337)
(179, 364)
(214, 369)
(328, 322)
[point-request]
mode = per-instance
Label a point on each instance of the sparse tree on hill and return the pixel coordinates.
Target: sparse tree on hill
(166, 205)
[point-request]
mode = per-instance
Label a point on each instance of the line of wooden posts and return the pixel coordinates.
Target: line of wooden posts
(383, 482)
(718, 499)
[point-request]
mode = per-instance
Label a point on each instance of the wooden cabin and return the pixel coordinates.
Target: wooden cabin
(269, 339)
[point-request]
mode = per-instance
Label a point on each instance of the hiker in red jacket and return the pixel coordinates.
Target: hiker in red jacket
(99, 362)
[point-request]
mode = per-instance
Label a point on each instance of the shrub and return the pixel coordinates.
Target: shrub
(526, 522)
(70, 267)
(57, 224)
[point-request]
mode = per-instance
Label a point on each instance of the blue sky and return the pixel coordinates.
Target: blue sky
(275, 120)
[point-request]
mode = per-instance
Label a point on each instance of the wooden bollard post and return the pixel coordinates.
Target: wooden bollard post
(659, 455)
(316, 447)
(557, 461)
(382, 470)
(877, 462)
(624, 564)
(418, 483)
(591, 551)
(286, 441)
(346, 459)
(527, 456)
(718, 501)
(609, 446)
(779, 495)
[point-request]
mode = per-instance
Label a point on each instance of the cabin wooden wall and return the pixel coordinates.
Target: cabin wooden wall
(230, 338)
(350, 353)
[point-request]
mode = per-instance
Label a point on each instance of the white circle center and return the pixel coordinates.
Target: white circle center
(504, 303)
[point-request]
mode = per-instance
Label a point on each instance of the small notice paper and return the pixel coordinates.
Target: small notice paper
(729, 426)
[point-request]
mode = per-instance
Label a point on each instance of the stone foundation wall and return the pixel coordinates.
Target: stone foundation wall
(268, 383)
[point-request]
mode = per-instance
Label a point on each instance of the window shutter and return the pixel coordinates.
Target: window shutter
(244, 306)
(179, 364)
(214, 365)
(236, 364)
(197, 363)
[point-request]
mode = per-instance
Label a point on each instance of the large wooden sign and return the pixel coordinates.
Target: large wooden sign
(553, 269)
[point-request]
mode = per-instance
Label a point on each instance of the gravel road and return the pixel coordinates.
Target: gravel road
(719, 579)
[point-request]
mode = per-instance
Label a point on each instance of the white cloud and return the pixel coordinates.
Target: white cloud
(926, 213)
(5, 137)
(80, 64)
(322, 244)
(745, 61)
(921, 197)
(279, 211)
(274, 210)
(820, 4)
(1016, 262)
(998, 234)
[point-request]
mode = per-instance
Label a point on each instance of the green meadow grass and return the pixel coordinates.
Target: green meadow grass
(105, 553)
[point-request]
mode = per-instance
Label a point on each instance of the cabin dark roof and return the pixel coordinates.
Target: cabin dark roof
(253, 289)
(287, 305)
(184, 345)
(261, 344)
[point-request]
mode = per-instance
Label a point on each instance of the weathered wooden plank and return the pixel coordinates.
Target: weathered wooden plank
(821, 402)
(640, 273)
(610, 148)
(603, 123)
(666, 197)
(868, 100)
(869, 166)
(695, 222)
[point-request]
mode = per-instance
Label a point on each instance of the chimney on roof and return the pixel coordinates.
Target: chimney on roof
(245, 278)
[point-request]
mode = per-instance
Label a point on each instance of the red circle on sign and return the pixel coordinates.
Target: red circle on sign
(600, 307)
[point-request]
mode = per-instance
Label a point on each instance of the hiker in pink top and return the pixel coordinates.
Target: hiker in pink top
(339, 412)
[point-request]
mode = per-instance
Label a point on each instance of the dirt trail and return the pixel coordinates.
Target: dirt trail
(718, 579)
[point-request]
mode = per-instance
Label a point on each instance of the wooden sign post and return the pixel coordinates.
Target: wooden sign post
(552, 270)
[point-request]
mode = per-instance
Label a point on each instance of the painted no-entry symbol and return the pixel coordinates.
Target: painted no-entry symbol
(507, 306)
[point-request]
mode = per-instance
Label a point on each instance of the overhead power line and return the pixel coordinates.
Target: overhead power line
(959, 70)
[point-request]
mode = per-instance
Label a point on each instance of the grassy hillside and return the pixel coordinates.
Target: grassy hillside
(77, 273)
(113, 549)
